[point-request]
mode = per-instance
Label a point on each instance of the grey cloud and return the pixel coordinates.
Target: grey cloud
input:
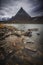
(10, 7)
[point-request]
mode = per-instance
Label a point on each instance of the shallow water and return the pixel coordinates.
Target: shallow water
(27, 26)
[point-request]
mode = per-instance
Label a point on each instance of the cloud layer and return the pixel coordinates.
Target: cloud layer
(9, 8)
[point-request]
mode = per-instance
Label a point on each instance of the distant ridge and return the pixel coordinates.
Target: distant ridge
(37, 19)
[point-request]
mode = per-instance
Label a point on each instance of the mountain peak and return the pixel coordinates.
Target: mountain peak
(21, 16)
(21, 8)
(22, 13)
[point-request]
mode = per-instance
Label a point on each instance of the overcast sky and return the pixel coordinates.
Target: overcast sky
(9, 8)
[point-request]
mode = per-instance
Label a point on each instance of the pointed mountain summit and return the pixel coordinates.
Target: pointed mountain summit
(22, 13)
(21, 16)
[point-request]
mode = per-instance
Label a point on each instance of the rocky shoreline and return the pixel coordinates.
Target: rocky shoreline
(19, 48)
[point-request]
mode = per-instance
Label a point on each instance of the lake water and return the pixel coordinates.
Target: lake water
(27, 26)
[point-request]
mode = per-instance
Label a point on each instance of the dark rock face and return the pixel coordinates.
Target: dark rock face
(21, 17)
